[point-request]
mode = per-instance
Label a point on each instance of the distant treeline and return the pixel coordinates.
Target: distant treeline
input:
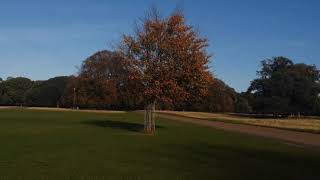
(103, 83)
(22, 91)
(282, 88)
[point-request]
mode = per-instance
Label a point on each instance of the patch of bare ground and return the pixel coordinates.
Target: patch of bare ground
(303, 139)
(306, 124)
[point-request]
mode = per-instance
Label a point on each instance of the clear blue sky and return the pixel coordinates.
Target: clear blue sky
(42, 39)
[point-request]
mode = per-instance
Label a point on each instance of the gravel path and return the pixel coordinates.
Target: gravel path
(304, 139)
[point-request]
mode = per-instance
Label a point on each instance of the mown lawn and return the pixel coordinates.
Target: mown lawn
(47, 145)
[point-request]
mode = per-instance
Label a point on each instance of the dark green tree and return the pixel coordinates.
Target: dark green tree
(220, 98)
(47, 93)
(242, 103)
(14, 90)
(285, 88)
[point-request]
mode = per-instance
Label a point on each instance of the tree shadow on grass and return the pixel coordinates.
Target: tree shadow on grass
(129, 126)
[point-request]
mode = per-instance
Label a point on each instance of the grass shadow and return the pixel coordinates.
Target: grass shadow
(122, 125)
(248, 160)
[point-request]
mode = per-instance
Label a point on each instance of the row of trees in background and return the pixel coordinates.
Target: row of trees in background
(22, 91)
(106, 81)
(114, 92)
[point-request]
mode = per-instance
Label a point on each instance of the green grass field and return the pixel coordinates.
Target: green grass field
(47, 145)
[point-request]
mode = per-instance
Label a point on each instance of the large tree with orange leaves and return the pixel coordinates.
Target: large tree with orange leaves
(105, 80)
(171, 58)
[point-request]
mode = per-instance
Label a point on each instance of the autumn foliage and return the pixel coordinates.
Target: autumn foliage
(171, 60)
(105, 80)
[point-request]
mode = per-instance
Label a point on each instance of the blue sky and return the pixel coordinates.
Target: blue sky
(42, 39)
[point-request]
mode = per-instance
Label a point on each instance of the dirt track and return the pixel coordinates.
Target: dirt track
(291, 137)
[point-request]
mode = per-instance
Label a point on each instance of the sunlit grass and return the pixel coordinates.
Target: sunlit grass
(311, 124)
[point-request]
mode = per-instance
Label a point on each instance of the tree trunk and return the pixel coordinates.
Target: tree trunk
(149, 119)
